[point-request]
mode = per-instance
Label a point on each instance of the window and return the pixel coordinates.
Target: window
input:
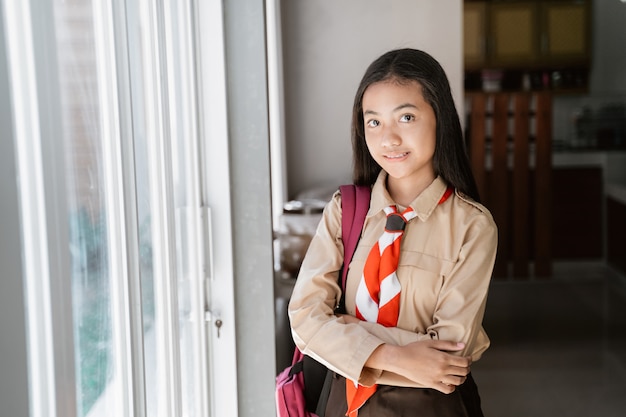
(117, 227)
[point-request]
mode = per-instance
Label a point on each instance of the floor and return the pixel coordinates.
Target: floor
(558, 345)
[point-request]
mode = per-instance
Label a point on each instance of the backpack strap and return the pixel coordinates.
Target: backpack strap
(355, 203)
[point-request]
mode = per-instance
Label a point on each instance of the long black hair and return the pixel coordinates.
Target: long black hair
(450, 160)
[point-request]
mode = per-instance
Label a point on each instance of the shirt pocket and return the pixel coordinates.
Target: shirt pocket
(421, 277)
(425, 262)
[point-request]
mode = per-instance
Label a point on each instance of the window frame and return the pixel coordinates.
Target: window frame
(42, 194)
(41, 188)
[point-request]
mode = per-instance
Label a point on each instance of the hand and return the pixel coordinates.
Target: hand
(427, 363)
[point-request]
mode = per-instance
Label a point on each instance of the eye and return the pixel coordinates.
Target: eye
(407, 118)
(372, 123)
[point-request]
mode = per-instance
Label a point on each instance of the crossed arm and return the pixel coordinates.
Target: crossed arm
(426, 362)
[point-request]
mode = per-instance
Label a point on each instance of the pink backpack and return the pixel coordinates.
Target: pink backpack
(291, 398)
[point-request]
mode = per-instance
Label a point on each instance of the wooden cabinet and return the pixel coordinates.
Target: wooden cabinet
(526, 34)
(513, 33)
(565, 34)
(475, 33)
(577, 213)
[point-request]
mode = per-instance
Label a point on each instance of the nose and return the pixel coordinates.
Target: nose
(390, 138)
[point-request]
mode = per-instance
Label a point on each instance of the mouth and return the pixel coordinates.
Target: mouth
(396, 156)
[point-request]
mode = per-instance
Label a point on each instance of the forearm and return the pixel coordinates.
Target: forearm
(427, 363)
(384, 358)
(391, 335)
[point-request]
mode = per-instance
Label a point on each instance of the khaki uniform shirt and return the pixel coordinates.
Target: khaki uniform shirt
(446, 260)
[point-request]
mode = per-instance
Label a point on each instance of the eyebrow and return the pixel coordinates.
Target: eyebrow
(400, 107)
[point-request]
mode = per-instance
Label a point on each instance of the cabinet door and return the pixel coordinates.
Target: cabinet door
(513, 31)
(565, 32)
(475, 34)
(577, 194)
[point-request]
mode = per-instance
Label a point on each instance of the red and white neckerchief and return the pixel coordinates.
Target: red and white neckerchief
(378, 294)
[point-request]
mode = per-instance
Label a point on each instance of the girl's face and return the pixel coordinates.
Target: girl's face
(400, 131)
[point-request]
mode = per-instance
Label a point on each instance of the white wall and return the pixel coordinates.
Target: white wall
(327, 46)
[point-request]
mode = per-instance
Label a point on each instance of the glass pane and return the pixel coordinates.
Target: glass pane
(99, 384)
(165, 161)
(91, 281)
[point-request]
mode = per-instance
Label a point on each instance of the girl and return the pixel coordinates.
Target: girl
(417, 284)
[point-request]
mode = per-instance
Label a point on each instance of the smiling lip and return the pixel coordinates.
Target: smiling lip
(396, 157)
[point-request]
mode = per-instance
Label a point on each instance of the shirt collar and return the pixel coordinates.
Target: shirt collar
(424, 204)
